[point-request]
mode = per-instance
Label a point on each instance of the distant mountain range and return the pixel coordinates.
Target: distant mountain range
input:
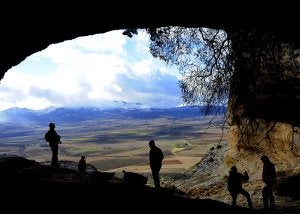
(70, 115)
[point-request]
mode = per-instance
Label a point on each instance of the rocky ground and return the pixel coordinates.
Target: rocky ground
(208, 180)
(29, 186)
(284, 204)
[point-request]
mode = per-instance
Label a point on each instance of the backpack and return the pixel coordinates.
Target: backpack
(47, 138)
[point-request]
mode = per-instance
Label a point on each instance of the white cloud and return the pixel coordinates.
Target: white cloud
(143, 68)
(90, 70)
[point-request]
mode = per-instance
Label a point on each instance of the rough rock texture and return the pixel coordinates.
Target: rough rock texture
(209, 171)
(263, 108)
(279, 141)
(208, 179)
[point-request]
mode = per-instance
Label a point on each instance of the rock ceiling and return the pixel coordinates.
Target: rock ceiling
(26, 29)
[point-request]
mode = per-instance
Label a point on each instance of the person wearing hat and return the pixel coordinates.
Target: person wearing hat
(53, 139)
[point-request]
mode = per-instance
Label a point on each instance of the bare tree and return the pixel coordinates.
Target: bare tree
(251, 68)
(201, 55)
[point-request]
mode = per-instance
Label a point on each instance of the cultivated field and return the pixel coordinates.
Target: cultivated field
(114, 145)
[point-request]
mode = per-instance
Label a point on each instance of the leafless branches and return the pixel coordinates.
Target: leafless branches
(201, 55)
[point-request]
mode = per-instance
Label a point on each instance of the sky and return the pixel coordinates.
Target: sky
(92, 71)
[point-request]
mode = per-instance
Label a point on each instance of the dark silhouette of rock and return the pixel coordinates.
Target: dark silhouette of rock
(27, 185)
(134, 180)
(100, 178)
(289, 186)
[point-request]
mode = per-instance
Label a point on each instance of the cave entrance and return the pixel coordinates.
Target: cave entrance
(108, 97)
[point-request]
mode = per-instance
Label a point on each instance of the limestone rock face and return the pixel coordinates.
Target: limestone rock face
(279, 141)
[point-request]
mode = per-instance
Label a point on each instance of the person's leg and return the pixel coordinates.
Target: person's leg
(155, 176)
(265, 195)
(247, 195)
(234, 197)
(54, 155)
(271, 196)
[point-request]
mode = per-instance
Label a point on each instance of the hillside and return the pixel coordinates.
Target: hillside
(72, 115)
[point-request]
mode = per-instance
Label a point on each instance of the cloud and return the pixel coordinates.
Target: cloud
(91, 70)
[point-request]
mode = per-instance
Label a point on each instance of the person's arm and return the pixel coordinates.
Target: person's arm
(245, 176)
(58, 138)
(162, 155)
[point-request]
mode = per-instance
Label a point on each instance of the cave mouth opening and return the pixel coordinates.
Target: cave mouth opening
(82, 76)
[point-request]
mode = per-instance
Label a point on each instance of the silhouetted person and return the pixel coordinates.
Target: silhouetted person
(82, 166)
(54, 139)
(269, 178)
(155, 156)
(235, 185)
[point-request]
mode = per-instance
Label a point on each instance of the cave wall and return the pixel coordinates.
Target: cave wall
(279, 141)
(263, 111)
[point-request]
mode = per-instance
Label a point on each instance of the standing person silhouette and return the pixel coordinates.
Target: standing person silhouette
(155, 156)
(269, 178)
(235, 185)
(53, 139)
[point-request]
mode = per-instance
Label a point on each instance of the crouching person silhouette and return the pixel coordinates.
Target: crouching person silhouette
(235, 185)
(82, 166)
